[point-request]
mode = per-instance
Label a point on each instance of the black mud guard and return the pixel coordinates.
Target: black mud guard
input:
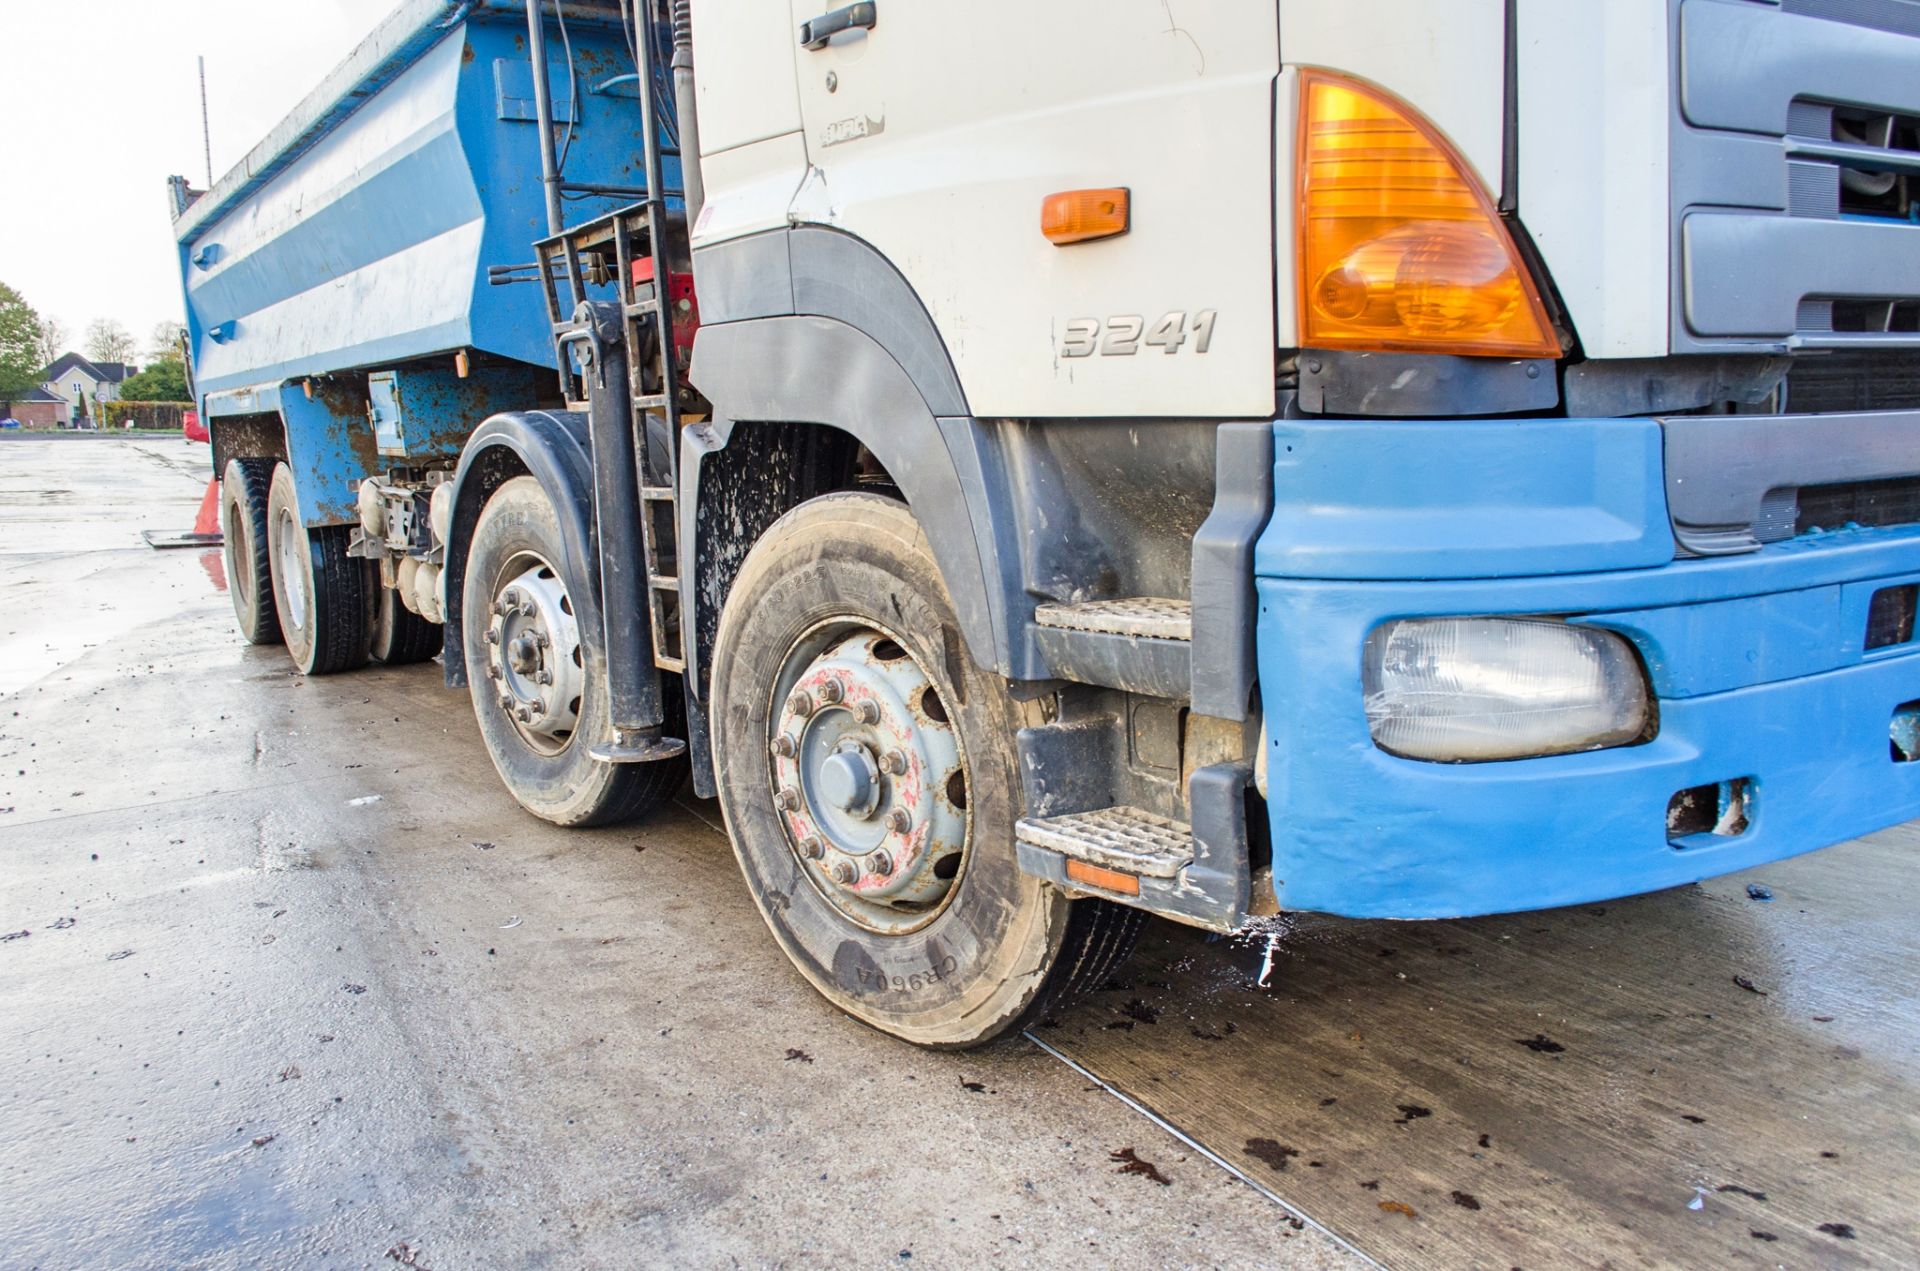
(550, 446)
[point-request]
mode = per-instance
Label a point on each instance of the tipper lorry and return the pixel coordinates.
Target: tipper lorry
(1040, 465)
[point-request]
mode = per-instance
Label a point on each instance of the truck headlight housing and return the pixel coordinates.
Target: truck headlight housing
(1464, 690)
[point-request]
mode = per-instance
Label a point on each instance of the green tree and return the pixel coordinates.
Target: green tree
(19, 348)
(162, 382)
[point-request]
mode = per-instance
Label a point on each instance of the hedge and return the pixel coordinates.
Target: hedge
(143, 414)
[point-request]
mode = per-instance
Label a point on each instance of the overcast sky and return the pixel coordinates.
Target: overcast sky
(104, 105)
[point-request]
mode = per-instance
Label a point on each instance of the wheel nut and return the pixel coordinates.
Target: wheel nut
(493, 635)
(506, 701)
(812, 848)
(831, 692)
(895, 762)
(844, 873)
(800, 703)
(868, 711)
(522, 714)
(899, 820)
(544, 677)
(788, 798)
(880, 864)
(493, 670)
(783, 746)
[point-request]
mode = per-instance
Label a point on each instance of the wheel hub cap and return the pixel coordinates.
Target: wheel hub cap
(868, 780)
(850, 779)
(534, 656)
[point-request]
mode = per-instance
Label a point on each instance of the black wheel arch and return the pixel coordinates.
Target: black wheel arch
(810, 372)
(551, 447)
(813, 345)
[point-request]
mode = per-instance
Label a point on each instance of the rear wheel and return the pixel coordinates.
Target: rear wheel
(399, 635)
(243, 541)
(868, 779)
(319, 591)
(535, 681)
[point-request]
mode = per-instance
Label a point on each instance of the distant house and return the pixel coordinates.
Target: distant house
(41, 409)
(84, 384)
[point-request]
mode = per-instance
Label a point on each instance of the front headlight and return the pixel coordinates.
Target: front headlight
(1466, 689)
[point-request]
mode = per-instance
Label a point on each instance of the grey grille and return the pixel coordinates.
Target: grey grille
(1902, 17)
(1796, 148)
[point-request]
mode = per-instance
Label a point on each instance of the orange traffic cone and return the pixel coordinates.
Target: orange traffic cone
(206, 525)
(208, 521)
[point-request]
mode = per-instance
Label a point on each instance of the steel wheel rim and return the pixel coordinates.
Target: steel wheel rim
(534, 656)
(292, 571)
(240, 580)
(868, 776)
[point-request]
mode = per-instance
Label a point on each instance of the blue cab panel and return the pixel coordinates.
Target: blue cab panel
(360, 234)
(1759, 663)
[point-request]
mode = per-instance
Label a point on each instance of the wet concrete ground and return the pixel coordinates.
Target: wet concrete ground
(300, 986)
(326, 998)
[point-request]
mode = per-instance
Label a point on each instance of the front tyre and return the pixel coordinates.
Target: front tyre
(867, 775)
(536, 682)
(319, 592)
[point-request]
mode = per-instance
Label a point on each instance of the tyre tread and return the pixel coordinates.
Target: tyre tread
(251, 479)
(411, 639)
(339, 602)
(1100, 938)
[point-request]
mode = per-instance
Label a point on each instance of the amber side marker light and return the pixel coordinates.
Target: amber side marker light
(1399, 247)
(1074, 216)
(1105, 879)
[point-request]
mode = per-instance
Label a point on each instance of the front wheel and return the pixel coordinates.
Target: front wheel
(536, 682)
(868, 779)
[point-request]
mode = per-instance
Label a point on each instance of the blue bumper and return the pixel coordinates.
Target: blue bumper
(1758, 662)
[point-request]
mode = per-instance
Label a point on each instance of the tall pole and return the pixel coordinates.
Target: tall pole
(206, 134)
(543, 113)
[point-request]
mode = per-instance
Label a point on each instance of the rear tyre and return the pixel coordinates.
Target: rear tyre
(536, 682)
(399, 635)
(319, 591)
(868, 778)
(243, 541)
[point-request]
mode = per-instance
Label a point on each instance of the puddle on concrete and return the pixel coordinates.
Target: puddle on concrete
(214, 562)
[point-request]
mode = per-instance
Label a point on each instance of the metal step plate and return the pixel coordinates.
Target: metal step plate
(1153, 616)
(1127, 839)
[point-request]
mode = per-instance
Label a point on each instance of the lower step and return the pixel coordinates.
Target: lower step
(1130, 840)
(1142, 644)
(1154, 617)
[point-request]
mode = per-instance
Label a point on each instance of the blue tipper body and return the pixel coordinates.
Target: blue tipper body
(1758, 661)
(360, 234)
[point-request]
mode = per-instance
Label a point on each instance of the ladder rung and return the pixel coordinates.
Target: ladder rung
(661, 582)
(658, 493)
(677, 665)
(650, 401)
